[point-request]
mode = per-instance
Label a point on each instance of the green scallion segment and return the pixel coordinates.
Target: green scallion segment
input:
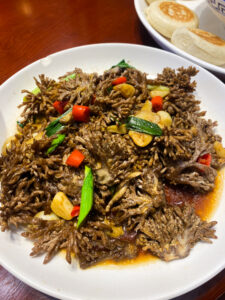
(35, 91)
(55, 125)
(56, 142)
(109, 89)
(71, 76)
(53, 129)
(123, 65)
(20, 124)
(87, 192)
(143, 126)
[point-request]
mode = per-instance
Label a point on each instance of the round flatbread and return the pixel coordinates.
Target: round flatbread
(151, 1)
(167, 16)
(201, 44)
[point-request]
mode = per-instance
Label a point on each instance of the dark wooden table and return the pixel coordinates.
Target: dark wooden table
(32, 29)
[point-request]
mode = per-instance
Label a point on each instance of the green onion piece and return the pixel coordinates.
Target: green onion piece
(87, 192)
(109, 89)
(20, 124)
(123, 65)
(71, 76)
(143, 126)
(35, 91)
(56, 142)
(53, 129)
(55, 126)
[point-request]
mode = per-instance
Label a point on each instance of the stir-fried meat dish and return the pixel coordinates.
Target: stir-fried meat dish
(92, 156)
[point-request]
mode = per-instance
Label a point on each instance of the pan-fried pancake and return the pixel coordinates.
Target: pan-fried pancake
(150, 1)
(209, 37)
(201, 44)
(167, 16)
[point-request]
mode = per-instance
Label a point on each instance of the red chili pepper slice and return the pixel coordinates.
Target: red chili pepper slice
(75, 159)
(81, 113)
(205, 159)
(75, 211)
(157, 103)
(119, 80)
(59, 106)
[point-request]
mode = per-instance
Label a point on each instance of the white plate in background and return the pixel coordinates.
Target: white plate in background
(207, 21)
(149, 280)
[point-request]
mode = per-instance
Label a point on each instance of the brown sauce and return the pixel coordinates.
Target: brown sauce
(205, 206)
(141, 258)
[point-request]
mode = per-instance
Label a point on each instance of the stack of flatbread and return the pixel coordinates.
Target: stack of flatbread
(180, 24)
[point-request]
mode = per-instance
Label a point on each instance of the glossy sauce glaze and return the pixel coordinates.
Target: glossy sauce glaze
(205, 205)
(140, 259)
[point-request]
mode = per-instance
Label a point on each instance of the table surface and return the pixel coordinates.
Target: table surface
(32, 29)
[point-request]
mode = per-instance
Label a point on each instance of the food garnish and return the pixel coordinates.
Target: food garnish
(62, 206)
(165, 119)
(122, 129)
(20, 124)
(119, 80)
(55, 125)
(143, 126)
(59, 106)
(157, 103)
(71, 76)
(127, 90)
(158, 90)
(48, 217)
(35, 91)
(86, 196)
(220, 151)
(75, 159)
(81, 113)
(123, 65)
(75, 211)
(56, 142)
(109, 89)
(205, 159)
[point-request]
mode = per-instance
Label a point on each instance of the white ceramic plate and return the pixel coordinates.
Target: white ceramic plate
(152, 280)
(207, 21)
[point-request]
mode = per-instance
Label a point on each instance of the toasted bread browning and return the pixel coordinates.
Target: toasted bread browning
(167, 16)
(176, 11)
(209, 37)
(201, 44)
